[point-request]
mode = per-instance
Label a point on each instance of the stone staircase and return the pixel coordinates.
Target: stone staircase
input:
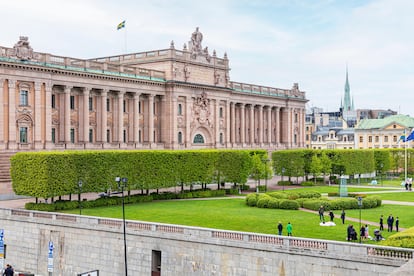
(6, 190)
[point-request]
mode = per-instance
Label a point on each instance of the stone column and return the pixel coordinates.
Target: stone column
(120, 117)
(227, 120)
(252, 131)
(47, 116)
(188, 103)
(233, 123)
(277, 124)
(11, 111)
(172, 138)
(103, 116)
(288, 126)
(260, 125)
(242, 124)
(38, 109)
(67, 114)
(269, 125)
(85, 115)
(216, 124)
(2, 113)
(136, 119)
(151, 119)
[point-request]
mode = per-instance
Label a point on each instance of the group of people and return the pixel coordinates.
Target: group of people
(390, 223)
(9, 271)
(289, 228)
(331, 215)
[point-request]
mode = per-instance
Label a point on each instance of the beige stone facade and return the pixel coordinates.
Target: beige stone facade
(164, 99)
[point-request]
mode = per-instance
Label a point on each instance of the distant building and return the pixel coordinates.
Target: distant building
(383, 133)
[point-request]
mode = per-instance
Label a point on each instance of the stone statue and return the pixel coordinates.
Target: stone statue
(196, 39)
(22, 49)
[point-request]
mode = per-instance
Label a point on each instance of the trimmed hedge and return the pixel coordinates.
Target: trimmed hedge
(401, 239)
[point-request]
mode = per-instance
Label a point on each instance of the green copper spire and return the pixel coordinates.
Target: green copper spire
(347, 97)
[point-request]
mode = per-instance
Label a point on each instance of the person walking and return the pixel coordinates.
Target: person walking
(280, 228)
(331, 215)
(366, 231)
(362, 232)
(343, 216)
(397, 223)
(381, 223)
(9, 271)
(289, 229)
(321, 217)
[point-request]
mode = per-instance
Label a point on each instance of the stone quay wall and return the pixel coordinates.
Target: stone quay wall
(84, 243)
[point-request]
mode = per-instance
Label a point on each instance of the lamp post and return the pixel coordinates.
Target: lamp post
(283, 183)
(122, 183)
(381, 166)
(80, 183)
(266, 162)
(360, 206)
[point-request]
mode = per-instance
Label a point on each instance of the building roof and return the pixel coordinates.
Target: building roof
(403, 120)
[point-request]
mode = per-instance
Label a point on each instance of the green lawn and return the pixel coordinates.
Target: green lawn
(400, 196)
(233, 214)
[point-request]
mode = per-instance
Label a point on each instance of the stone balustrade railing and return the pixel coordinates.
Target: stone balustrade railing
(265, 90)
(343, 250)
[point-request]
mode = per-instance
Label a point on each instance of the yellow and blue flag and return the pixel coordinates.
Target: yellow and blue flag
(121, 25)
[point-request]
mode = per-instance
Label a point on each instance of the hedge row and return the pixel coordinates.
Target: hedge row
(401, 239)
(117, 200)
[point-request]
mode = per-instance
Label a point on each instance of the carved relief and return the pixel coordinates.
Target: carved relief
(201, 112)
(186, 72)
(22, 49)
(216, 77)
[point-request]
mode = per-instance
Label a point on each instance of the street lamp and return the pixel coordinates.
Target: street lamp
(381, 166)
(80, 183)
(360, 206)
(283, 183)
(122, 183)
(266, 161)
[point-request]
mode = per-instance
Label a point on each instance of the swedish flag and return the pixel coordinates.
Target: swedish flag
(121, 25)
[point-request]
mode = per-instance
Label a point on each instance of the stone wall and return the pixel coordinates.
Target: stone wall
(90, 243)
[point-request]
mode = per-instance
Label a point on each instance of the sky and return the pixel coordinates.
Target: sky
(268, 42)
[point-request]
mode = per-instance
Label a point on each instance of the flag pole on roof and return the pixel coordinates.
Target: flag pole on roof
(122, 26)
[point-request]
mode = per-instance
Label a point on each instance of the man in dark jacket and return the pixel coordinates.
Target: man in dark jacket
(9, 271)
(280, 228)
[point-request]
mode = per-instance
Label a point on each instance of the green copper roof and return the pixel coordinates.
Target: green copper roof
(403, 120)
(348, 106)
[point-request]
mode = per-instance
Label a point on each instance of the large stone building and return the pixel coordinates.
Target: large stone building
(163, 99)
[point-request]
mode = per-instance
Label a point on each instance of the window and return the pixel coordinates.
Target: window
(198, 139)
(369, 139)
(394, 138)
(221, 112)
(108, 104)
(296, 117)
(90, 135)
(139, 136)
(108, 136)
(386, 139)
(23, 135)
(345, 138)
(124, 136)
(295, 138)
(376, 139)
(72, 135)
(156, 262)
(153, 108)
(124, 106)
(180, 137)
(139, 107)
(361, 139)
(307, 137)
(90, 103)
(221, 138)
(72, 102)
(53, 135)
(180, 109)
(53, 101)
(24, 95)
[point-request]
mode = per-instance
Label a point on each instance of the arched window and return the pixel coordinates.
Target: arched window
(180, 137)
(221, 112)
(221, 138)
(198, 139)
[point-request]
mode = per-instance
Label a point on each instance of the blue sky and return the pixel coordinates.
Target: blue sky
(270, 42)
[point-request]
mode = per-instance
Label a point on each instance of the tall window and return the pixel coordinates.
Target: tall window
(125, 135)
(53, 101)
(53, 135)
(108, 104)
(90, 135)
(23, 135)
(72, 102)
(180, 137)
(124, 106)
(180, 109)
(370, 139)
(221, 112)
(72, 135)
(139, 107)
(90, 103)
(361, 139)
(108, 136)
(198, 139)
(24, 95)
(221, 138)
(139, 136)
(296, 117)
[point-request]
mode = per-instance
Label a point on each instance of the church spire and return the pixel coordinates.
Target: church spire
(347, 97)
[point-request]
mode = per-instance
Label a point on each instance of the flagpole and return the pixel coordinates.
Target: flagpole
(125, 38)
(405, 156)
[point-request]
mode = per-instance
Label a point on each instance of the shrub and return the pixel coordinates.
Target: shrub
(251, 200)
(284, 183)
(288, 204)
(273, 203)
(401, 239)
(307, 183)
(279, 195)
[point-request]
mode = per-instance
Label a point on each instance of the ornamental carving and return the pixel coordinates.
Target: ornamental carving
(22, 49)
(195, 46)
(201, 111)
